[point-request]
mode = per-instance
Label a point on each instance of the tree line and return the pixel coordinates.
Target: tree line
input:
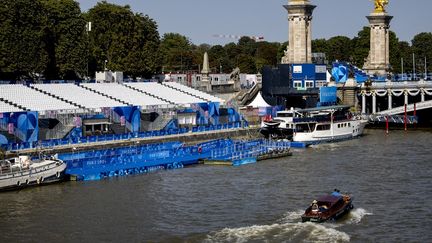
(50, 39)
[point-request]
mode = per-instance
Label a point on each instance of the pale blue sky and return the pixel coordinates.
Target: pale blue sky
(199, 20)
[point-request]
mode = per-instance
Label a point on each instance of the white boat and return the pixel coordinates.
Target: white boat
(281, 126)
(22, 171)
(327, 124)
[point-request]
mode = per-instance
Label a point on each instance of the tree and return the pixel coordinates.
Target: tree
(21, 31)
(422, 47)
(319, 45)
(281, 51)
(246, 64)
(405, 51)
(64, 40)
(266, 54)
(339, 48)
(128, 42)
(361, 47)
(177, 54)
(217, 57)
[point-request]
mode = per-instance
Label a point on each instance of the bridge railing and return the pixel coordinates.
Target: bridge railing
(410, 107)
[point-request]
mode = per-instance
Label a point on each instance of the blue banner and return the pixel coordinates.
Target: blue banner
(328, 94)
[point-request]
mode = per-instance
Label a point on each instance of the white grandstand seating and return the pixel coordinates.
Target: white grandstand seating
(194, 92)
(127, 94)
(79, 95)
(32, 99)
(5, 107)
(165, 92)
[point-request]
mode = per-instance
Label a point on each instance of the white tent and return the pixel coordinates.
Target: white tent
(258, 102)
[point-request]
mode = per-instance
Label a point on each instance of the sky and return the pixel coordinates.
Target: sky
(200, 20)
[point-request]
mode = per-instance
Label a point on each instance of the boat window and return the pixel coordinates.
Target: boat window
(349, 124)
(323, 127)
(305, 127)
(338, 125)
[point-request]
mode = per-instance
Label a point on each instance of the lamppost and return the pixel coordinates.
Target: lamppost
(88, 29)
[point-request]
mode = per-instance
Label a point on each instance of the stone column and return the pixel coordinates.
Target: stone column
(363, 103)
(299, 48)
(373, 103)
(406, 97)
(205, 80)
(378, 61)
(390, 101)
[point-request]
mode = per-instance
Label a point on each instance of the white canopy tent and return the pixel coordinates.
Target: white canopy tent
(258, 102)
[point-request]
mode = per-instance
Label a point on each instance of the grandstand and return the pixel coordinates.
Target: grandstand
(33, 100)
(164, 92)
(78, 95)
(5, 107)
(128, 95)
(62, 113)
(193, 92)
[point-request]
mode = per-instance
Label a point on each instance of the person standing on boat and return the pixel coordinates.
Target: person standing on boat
(336, 193)
(314, 206)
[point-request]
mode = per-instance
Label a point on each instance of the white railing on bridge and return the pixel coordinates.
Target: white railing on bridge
(410, 107)
(401, 85)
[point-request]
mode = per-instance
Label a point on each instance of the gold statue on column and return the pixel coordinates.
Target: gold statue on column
(380, 5)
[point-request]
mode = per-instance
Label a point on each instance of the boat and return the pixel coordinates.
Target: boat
(279, 127)
(328, 207)
(21, 171)
(327, 124)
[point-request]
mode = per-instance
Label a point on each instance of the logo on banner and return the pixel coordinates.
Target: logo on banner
(77, 121)
(11, 128)
(122, 120)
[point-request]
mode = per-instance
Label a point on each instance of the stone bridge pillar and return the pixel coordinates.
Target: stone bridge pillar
(300, 32)
(378, 61)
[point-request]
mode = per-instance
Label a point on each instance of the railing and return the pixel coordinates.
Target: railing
(114, 137)
(405, 84)
(410, 107)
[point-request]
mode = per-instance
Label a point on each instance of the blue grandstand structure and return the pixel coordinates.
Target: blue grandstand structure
(37, 115)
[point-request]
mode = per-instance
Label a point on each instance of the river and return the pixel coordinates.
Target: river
(389, 176)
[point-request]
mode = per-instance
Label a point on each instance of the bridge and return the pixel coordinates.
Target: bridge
(388, 90)
(409, 108)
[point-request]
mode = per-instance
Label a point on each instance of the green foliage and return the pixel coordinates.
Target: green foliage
(49, 37)
(422, 48)
(64, 39)
(123, 41)
(21, 32)
(177, 53)
(339, 48)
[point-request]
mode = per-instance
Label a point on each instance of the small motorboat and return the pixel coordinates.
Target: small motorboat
(22, 171)
(328, 207)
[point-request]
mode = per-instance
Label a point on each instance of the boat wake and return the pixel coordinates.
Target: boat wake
(288, 229)
(356, 215)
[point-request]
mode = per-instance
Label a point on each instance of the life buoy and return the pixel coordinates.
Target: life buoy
(40, 180)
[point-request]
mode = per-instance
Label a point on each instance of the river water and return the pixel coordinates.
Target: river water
(389, 176)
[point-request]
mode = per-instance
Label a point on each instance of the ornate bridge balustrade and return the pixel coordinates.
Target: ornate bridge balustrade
(395, 89)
